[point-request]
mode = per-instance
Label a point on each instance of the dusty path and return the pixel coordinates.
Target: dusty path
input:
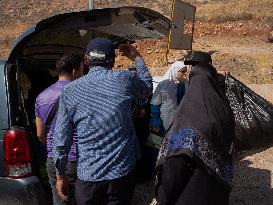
(252, 181)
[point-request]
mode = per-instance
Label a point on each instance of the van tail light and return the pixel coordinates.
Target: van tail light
(17, 154)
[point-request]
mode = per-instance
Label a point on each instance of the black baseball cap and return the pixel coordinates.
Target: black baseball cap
(196, 57)
(101, 46)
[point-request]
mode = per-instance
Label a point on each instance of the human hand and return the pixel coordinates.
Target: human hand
(156, 129)
(129, 51)
(62, 187)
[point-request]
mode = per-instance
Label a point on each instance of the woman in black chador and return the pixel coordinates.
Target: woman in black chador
(195, 163)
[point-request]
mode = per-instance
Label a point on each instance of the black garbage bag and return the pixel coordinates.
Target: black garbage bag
(253, 115)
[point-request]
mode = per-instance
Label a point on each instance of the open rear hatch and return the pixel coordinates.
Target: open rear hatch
(70, 32)
(67, 33)
(32, 60)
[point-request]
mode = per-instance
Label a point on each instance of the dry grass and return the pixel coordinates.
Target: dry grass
(249, 60)
(242, 49)
(234, 10)
(264, 60)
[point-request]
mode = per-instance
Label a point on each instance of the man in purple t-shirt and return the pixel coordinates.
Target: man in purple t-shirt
(70, 67)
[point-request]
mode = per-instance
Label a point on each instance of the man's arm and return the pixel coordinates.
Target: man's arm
(142, 82)
(62, 141)
(40, 128)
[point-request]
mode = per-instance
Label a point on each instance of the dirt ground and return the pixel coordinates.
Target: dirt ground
(235, 31)
(252, 184)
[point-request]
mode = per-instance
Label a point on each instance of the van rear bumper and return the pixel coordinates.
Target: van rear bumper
(26, 191)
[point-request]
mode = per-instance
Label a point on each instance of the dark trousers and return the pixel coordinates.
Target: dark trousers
(145, 167)
(71, 174)
(181, 183)
(112, 192)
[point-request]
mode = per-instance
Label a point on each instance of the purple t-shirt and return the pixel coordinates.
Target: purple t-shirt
(43, 106)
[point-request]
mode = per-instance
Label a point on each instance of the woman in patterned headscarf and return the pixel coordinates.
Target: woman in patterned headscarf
(195, 162)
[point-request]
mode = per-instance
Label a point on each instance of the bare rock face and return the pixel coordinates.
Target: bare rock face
(270, 37)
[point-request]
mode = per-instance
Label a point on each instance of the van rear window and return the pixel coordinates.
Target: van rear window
(16, 99)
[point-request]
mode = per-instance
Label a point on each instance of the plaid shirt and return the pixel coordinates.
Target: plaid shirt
(99, 107)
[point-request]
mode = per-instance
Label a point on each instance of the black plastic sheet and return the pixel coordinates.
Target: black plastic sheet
(253, 115)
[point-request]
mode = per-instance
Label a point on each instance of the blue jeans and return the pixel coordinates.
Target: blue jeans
(71, 174)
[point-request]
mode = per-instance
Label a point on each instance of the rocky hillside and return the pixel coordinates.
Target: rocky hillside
(236, 31)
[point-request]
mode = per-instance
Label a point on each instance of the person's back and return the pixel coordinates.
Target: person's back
(46, 106)
(198, 149)
(43, 106)
(99, 107)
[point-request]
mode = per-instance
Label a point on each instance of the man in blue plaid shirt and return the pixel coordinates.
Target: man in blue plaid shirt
(99, 107)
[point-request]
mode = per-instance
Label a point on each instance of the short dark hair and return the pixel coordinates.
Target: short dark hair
(67, 63)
